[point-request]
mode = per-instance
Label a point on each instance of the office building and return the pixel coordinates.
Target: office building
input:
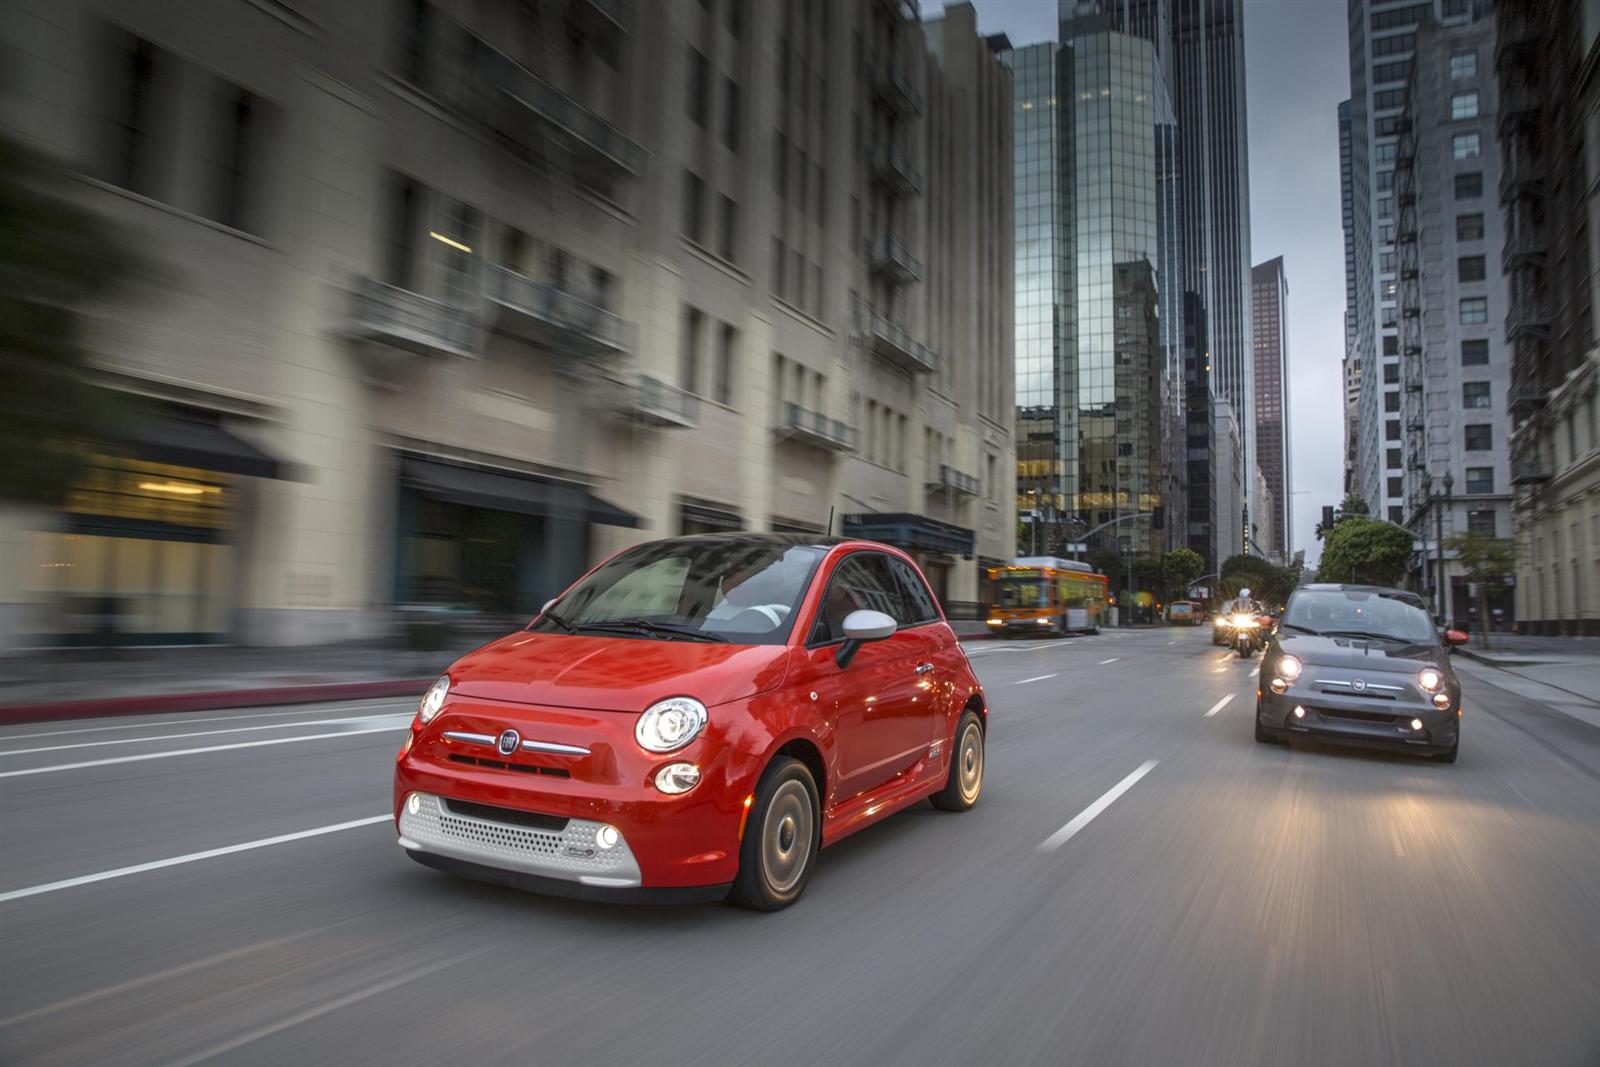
(1545, 56)
(457, 298)
(1200, 455)
(1359, 329)
(1383, 38)
(1270, 339)
(1454, 371)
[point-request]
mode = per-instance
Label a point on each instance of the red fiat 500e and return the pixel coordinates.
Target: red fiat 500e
(693, 720)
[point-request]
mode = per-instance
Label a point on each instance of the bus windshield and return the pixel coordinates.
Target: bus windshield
(1020, 593)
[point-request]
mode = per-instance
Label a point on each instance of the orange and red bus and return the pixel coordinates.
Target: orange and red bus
(1046, 595)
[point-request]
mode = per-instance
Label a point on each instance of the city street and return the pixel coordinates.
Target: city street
(1141, 883)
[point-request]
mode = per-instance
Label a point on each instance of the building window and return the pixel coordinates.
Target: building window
(1469, 227)
(779, 259)
(1480, 480)
(699, 86)
(1466, 146)
(1397, 487)
(1480, 437)
(1481, 521)
(1391, 373)
(694, 195)
(1391, 431)
(731, 117)
(1474, 311)
(1463, 65)
(1464, 106)
(1392, 459)
(1474, 352)
(130, 161)
(1397, 514)
(1469, 186)
(1385, 262)
(780, 164)
(727, 346)
(400, 257)
(1475, 396)
(728, 235)
(1470, 269)
(694, 321)
(1391, 346)
(1391, 402)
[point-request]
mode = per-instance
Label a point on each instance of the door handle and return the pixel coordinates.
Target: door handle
(924, 668)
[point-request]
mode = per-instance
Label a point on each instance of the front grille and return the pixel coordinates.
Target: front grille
(494, 836)
(1358, 716)
(1365, 722)
(532, 820)
(502, 765)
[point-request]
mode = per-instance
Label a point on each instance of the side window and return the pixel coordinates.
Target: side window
(918, 599)
(862, 581)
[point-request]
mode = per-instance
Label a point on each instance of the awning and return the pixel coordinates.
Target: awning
(197, 441)
(525, 494)
(904, 530)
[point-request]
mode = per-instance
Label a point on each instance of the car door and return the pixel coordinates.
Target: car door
(877, 703)
(940, 650)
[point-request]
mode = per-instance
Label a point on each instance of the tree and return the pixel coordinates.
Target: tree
(55, 259)
(1485, 560)
(1365, 551)
(1179, 569)
(1353, 507)
(1107, 561)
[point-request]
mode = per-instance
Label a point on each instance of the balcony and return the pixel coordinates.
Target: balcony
(554, 318)
(1530, 469)
(892, 342)
(536, 117)
(946, 479)
(892, 170)
(1525, 246)
(652, 402)
(397, 318)
(1517, 36)
(1527, 320)
(893, 260)
(1522, 178)
(895, 92)
(812, 428)
(1526, 397)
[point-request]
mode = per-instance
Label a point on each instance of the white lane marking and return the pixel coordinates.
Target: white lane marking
(1040, 678)
(195, 751)
(156, 976)
(1087, 815)
(188, 721)
(192, 857)
(1225, 655)
(1256, 673)
(324, 1008)
(1219, 705)
(1103, 662)
(203, 733)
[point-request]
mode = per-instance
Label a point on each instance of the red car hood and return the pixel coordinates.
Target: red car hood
(614, 673)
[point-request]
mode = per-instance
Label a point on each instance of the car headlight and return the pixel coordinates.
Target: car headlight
(668, 725)
(1430, 679)
(433, 699)
(1290, 667)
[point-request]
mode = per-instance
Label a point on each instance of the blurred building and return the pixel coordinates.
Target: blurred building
(1546, 56)
(1454, 370)
(1270, 339)
(1383, 39)
(1232, 535)
(461, 297)
(1360, 334)
(1201, 437)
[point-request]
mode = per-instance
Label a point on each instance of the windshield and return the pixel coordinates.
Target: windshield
(746, 592)
(1019, 593)
(1358, 613)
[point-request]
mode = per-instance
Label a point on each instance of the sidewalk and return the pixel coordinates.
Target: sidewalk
(1570, 665)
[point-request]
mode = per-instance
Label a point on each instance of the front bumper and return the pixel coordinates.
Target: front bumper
(1362, 723)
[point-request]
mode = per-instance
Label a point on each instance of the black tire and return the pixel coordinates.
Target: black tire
(1262, 737)
(771, 886)
(1449, 755)
(963, 787)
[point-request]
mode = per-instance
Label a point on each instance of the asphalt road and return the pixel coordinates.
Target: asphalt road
(1233, 904)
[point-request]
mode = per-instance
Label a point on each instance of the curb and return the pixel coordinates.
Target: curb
(209, 701)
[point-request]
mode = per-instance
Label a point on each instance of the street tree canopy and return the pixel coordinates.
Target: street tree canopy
(1365, 551)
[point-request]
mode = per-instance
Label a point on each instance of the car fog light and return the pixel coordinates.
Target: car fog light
(1279, 685)
(607, 837)
(677, 778)
(1299, 712)
(994, 622)
(414, 803)
(1416, 724)
(1441, 700)
(1043, 622)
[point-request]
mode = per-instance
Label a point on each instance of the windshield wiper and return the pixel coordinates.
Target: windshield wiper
(660, 629)
(1366, 635)
(1302, 629)
(559, 621)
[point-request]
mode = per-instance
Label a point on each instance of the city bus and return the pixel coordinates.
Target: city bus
(1046, 595)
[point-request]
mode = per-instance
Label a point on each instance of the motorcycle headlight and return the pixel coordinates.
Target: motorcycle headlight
(1430, 679)
(433, 699)
(668, 725)
(1243, 621)
(1290, 667)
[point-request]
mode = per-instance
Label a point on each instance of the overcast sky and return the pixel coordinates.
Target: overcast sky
(1297, 70)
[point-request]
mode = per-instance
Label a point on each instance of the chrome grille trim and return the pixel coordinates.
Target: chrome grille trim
(471, 739)
(1342, 684)
(554, 747)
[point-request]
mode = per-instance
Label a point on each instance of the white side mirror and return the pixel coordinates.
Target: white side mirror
(868, 626)
(548, 604)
